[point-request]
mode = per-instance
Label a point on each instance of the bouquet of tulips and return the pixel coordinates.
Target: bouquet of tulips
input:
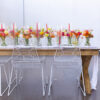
(49, 34)
(15, 35)
(3, 35)
(41, 33)
(63, 37)
(88, 35)
(76, 36)
(69, 36)
(27, 35)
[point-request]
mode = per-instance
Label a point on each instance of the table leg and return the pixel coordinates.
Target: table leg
(85, 64)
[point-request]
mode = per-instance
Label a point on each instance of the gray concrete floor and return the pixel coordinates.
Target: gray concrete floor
(64, 86)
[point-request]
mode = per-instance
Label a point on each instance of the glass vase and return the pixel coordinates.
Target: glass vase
(69, 41)
(3, 42)
(16, 40)
(87, 41)
(75, 41)
(26, 42)
(38, 41)
(49, 41)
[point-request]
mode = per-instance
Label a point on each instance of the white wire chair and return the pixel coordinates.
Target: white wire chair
(66, 58)
(4, 75)
(24, 55)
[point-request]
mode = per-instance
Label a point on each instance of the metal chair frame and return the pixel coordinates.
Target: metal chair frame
(51, 72)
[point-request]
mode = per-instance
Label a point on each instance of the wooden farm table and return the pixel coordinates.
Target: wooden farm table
(86, 55)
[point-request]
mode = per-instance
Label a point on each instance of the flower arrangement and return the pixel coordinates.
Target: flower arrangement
(69, 36)
(41, 33)
(88, 35)
(15, 35)
(3, 35)
(76, 35)
(49, 34)
(27, 36)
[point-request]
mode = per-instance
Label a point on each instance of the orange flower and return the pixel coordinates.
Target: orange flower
(87, 33)
(34, 33)
(3, 35)
(52, 35)
(27, 36)
(59, 33)
(71, 34)
(17, 34)
(77, 34)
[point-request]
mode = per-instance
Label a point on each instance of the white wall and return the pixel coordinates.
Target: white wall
(81, 14)
(11, 12)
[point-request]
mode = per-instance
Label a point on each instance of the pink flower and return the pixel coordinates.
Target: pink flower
(2, 30)
(3, 34)
(68, 34)
(47, 32)
(30, 30)
(63, 34)
(79, 33)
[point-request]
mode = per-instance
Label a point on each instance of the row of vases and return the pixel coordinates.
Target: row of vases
(49, 40)
(75, 41)
(37, 42)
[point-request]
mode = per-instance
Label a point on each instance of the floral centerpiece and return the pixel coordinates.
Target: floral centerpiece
(69, 36)
(63, 37)
(76, 36)
(41, 33)
(49, 34)
(88, 35)
(15, 34)
(3, 35)
(33, 34)
(27, 36)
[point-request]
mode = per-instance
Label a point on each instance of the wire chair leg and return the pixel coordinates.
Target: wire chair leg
(10, 78)
(11, 81)
(83, 90)
(20, 76)
(1, 93)
(43, 83)
(50, 82)
(79, 85)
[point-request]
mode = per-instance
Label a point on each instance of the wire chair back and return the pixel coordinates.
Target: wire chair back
(67, 56)
(25, 54)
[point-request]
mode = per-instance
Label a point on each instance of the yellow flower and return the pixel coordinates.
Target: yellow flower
(49, 28)
(31, 27)
(46, 35)
(6, 32)
(41, 33)
(64, 30)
